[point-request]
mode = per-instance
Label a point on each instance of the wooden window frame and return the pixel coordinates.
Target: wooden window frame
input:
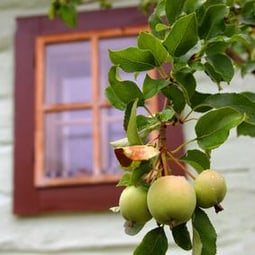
(94, 38)
(29, 199)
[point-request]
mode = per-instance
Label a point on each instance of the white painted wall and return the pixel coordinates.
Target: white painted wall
(101, 233)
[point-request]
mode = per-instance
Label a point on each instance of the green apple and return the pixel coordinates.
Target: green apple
(210, 187)
(133, 205)
(171, 200)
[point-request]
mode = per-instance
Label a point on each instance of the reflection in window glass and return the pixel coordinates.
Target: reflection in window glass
(68, 144)
(68, 73)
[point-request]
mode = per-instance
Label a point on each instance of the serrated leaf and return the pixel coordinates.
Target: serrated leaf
(137, 174)
(212, 129)
(114, 99)
(249, 95)
(149, 42)
(197, 159)
(216, 47)
(192, 5)
(204, 234)
(176, 96)
(166, 115)
(140, 152)
(197, 244)
(212, 23)
(239, 102)
(182, 237)
(222, 67)
(156, 18)
(174, 9)
(132, 228)
(183, 35)
(186, 80)
(197, 102)
(132, 131)
(246, 129)
(133, 59)
(248, 12)
(154, 243)
(152, 87)
(211, 72)
(125, 180)
(122, 92)
(68, 14)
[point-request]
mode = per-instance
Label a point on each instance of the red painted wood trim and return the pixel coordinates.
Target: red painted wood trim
(29, 200)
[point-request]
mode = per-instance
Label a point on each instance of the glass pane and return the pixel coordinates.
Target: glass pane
(105, 63)
(111, 130)
(68, 73)
(68, 144)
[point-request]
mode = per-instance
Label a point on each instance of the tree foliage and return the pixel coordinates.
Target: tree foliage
(186, 37)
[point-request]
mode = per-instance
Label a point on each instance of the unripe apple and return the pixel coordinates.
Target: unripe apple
(133, 205)
(210, 187)
(171, 200)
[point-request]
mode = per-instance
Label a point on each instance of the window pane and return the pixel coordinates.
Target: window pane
(105, 63)
(68, 73)
(111, 130)
(68, 144)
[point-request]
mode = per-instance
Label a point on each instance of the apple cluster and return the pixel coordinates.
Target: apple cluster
(171, 200)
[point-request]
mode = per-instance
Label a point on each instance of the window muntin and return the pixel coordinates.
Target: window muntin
(74, 122)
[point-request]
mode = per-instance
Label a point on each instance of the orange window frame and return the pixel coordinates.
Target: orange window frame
(40, 180)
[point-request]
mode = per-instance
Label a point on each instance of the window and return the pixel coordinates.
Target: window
(63, 124)
(74, 122)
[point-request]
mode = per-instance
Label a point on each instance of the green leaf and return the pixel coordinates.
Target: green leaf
(212, 129)
(133, 59)
(248, 67)
(249, 95)
(132, 131)
(204, 234)
(154, 243)
(239, 102)
(220, 68)
(68, 14)
(212, 23)
(197, 244)
(149, 42)
(197, 159)
(156, 18)
(246, 129)
(248, 12)
(132, 228)
(174, 9)
(176, 96)
(122, 91)
(182, 237)
(192, 5)
(152, 87)
(125, 180)
(216, 47)
(144, 168)
(183, 35)
(167, 114)
(197, 102)
(186, 80)
(114, 99)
